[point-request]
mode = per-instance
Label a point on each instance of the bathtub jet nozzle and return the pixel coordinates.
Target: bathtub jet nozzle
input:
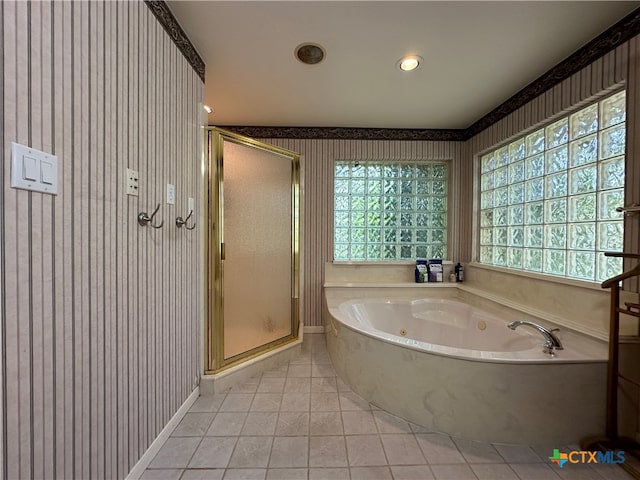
(551, 342)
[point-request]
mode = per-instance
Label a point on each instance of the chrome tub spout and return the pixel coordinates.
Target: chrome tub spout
(551, 341)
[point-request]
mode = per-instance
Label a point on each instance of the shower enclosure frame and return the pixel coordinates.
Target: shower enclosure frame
(214, 139)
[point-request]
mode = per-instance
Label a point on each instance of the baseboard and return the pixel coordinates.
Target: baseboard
(313, 329)
(139, 468)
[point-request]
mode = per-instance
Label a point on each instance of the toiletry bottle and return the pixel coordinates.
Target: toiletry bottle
(459, 272)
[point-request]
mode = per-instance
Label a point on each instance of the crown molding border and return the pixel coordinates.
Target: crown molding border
(164, 16)
(345, 133)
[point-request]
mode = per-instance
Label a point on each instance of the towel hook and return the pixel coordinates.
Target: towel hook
(180, 222)
(143, 218)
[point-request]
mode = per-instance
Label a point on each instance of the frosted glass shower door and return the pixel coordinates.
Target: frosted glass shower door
(257, 265)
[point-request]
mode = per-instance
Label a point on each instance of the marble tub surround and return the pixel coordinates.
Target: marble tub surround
(581, 306)
(318, 428)
(482, 401)
(526, 397)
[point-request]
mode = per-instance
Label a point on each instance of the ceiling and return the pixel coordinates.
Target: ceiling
(476, 55)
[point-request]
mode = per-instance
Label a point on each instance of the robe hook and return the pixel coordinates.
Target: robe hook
(180, 222)
(144, 219)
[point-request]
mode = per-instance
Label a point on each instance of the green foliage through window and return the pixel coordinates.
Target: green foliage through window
(385, 211)
(548, 200)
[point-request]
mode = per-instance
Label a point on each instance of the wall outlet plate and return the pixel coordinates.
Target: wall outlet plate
(132, 182)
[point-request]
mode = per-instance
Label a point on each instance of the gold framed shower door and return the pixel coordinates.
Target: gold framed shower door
(219, 357)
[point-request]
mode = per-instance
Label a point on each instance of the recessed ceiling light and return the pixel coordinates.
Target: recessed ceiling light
(409, 63)
(310, 53)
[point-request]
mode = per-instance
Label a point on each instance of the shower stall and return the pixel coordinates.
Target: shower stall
(253, 248)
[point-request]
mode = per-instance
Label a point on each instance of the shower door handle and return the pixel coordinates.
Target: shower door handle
(222, 252)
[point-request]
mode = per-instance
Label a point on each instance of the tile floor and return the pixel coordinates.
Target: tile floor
(301, 421)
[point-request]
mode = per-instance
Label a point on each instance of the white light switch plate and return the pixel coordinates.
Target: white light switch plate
(171, 194)
(33, 170)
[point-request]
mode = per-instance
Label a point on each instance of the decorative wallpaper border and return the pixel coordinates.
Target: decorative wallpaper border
(344, 133)
(173, 28)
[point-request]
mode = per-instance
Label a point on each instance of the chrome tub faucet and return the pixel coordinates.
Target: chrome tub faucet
(551, 342)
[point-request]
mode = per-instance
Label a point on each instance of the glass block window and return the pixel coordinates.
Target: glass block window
(548, 200)
(386, 211)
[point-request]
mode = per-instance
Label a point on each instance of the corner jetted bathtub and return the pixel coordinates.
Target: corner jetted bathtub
(451, 367)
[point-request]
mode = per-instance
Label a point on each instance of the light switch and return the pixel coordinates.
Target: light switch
(47, 173)
(29, 168)
(33, 170)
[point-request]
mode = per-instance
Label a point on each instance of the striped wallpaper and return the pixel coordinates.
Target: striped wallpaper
(100, 317)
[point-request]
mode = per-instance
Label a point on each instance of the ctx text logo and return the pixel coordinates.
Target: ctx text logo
(585, 456)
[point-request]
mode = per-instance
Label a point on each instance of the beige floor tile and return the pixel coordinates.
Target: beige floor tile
(489, 471)
(175, 453)
(402, 449)
(203, 474)
(260, 423)
(293, 423)
(413, 472)
(388, 423)
(227, 424)
(287, 474)
(295, 402)
(237, 402)
(326, 423)
(297, 385)
(478, 452)
(438, 448)
(213, 452)
(245, 474)
(324, 402)
(162, 474)
(327, 451)
(453, 472)
(329, 474)
(358, 423)
(289, 452)
(271, 385)
(251, 452)
(365, 451)
(266, 402)
(370, 473)
(193, 424)
(324, 384)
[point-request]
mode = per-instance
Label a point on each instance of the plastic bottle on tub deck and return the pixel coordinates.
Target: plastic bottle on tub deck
(459, 272)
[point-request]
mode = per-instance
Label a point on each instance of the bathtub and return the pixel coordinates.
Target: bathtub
(445, 364)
